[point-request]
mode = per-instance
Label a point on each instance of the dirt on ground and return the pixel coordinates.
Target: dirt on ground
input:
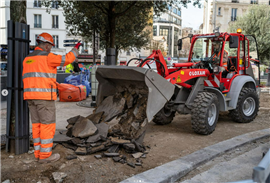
(164, 144)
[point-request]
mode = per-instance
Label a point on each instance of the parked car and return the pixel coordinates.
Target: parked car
(3, 70)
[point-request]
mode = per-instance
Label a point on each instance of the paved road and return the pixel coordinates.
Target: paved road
(233, 166)
(229, 160)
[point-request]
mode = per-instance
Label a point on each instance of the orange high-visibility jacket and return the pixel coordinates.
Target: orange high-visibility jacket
(39, 73)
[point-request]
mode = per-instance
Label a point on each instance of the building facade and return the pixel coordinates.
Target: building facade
(219, 13)
(39, 22)
(168, 26)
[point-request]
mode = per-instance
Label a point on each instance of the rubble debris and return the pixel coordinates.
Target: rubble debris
(69, 146)
(116, 140)
(81, 151)
(137, 155)
(98, 156)
(70, 157)
(74, 119)
(59, 138)
(96, 149)
(59, 176)
(83, 128)
(131, 164)
(111, 154)
(95, 117)
(54, 145)
(116, 159)
(6, 181)
(111, 106)
(129, 147)
(31, 151)
(102, 133)
(143, 156)
(117, 125)
(138, 164)
(113, 149)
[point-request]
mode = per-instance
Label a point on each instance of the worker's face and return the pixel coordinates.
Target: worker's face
(48, 47)
(216, 46)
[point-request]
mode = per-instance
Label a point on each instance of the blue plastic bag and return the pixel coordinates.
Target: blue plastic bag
(81, 79)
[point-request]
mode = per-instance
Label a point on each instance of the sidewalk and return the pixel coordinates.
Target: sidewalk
(174, 170)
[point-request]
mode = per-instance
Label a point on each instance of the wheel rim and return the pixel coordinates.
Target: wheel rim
(248, 106)
(212, 113)
(167, 112)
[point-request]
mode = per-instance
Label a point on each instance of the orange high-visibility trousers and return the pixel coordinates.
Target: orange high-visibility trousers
(43, 126)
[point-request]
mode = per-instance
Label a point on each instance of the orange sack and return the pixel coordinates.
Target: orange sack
(71, 93)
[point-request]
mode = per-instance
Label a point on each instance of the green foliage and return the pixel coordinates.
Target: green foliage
(256, 22)
(121, 24)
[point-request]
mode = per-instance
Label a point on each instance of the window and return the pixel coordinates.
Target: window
(234, 14)
(155, 30)
(170, 18)
(169, 7)
(55, 42)
(174, 20)
(175, 10)
(163, 31)
(179, 12)
(219, 10)
(235, 1)
(179, 22)
(37, 3)
(128, 53)
(36, 39)
(55, 21)
(37, 21)
(254, 2)
(55, 4)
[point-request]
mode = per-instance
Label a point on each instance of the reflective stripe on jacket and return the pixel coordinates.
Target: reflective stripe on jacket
(39, 73)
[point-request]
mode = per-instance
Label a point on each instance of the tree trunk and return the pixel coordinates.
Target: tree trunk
(111, 19)
(18, 11)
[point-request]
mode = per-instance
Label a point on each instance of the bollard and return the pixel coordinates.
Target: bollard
(268, 77)
(94, 85)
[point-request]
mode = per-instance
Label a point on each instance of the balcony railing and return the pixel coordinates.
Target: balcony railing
(55, 26)
(37, 25)
(233, 18)
(55, 5)
(37, 4)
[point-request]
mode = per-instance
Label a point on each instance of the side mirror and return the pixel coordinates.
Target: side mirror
(179, 44)
(233, 42)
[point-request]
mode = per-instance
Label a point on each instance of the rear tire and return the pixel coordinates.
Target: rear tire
(204, 114)
(247, 106)
(164, 116)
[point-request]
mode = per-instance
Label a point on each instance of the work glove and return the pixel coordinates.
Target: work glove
(78, 45)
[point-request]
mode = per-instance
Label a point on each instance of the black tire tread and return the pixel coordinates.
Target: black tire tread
(161, 119)
(236, 114)
(199, 113)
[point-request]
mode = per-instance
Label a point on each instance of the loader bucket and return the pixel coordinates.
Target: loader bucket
(159, 90)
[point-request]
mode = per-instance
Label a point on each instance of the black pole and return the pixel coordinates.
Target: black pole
(110, 56)
(9, 82)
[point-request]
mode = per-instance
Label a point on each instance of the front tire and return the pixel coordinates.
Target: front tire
(247, 106)
(164, 116)
(204, 114)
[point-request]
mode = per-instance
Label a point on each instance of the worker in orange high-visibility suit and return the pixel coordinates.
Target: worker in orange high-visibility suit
(39, 80)
(217, 52)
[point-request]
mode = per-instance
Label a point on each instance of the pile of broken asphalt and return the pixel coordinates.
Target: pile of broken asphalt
(116, 128)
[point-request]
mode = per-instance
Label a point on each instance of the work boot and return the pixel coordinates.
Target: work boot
(52, 158)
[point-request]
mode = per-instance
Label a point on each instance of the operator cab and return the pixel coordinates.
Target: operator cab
(225, 56)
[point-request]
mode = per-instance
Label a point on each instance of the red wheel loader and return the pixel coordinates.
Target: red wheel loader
(212, 80)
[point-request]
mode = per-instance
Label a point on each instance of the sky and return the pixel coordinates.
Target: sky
(192, 16)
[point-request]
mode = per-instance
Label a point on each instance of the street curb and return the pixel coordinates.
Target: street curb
(174, 170)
